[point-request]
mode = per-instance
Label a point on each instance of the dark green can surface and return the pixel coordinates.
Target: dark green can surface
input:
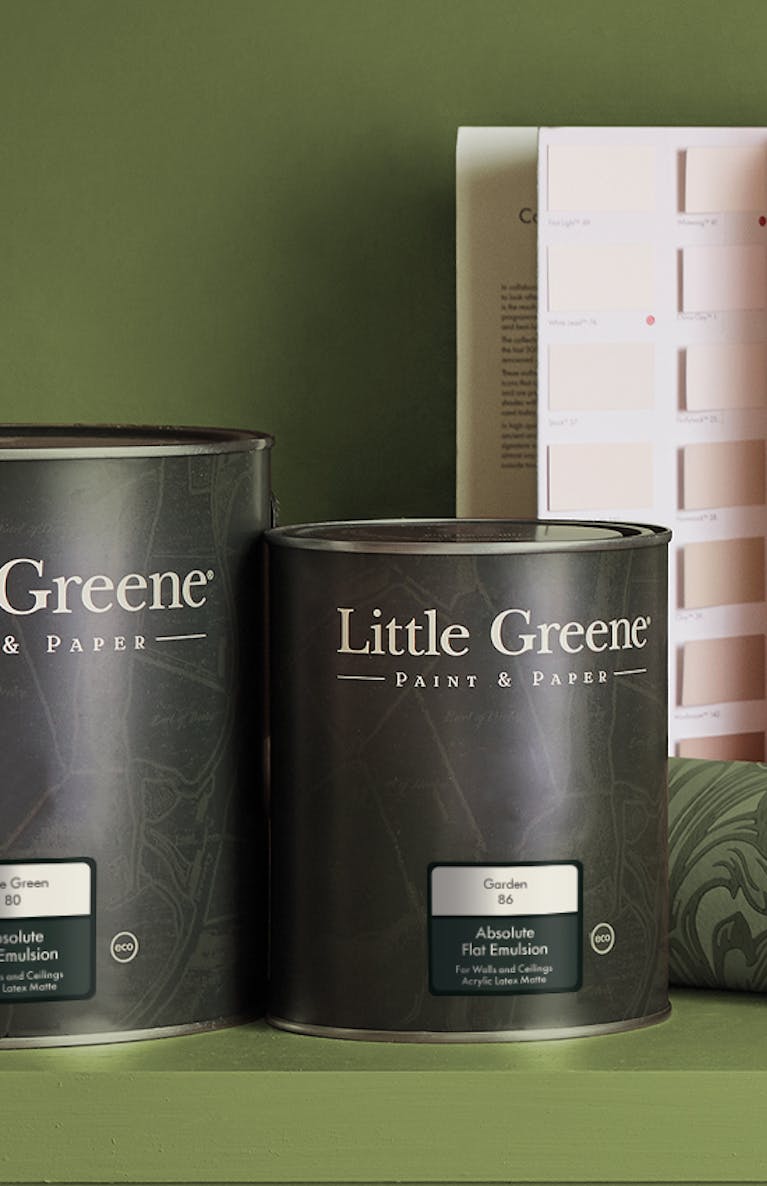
(469, 740)
(132, 815)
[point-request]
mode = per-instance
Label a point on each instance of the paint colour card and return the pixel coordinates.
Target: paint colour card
(601, 376)
(723, 474)
(718, 670)
(599, 177)
(719, 277)
(723, 572)
(721, 374)
(728, 747)
(611, 279)
(587, 477)
(725, 178)
(652, 381)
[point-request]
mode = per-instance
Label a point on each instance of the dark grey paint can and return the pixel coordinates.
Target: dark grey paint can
(469, 825)
(132, 813)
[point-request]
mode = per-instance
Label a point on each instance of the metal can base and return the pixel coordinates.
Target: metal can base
(165, 1031)
(454, 1036)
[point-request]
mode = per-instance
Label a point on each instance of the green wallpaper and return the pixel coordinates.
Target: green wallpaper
(233, 212)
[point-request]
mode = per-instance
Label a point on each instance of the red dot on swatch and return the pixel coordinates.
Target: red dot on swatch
(762, 220)
(650, 319)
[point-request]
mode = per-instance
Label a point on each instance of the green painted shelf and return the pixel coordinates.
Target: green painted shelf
(684, 1101)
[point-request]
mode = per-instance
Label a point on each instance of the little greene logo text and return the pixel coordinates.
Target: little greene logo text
(27, 589)
(24, 591)
(512, 632)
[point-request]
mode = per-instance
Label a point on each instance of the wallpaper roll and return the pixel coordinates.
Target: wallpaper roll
(718, 874)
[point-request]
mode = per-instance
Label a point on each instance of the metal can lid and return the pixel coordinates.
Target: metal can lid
(467, 536)
(25, 442)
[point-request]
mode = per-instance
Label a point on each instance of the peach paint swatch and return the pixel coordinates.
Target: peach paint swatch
(720, 670)
(589, 477)
(722, 374)
(614, 278)
(601, 376)
(727, 747)
(723, 276)
(725, 178)
(723, 572)
(723, 474)
(602, 177)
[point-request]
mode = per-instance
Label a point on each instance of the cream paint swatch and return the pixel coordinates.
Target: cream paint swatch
(727, 747)
(723, 474)
(722, 670)
(604, 278)
(584, 477)
(723, 572)
(723, 276)
(725, 177)
(598, 177)
(606, 376)
(725, 375)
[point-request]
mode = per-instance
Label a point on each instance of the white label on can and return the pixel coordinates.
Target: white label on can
(463, 890)
(47, 930)
(505, 929)
(45, 889)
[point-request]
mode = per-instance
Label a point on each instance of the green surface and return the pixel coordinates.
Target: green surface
(680, 1101)
(735, 1026)
(242, 211)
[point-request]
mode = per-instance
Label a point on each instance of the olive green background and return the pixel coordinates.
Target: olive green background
(241, 212)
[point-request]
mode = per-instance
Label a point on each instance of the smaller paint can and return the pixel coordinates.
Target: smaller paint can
(133, 861)
(469, 751)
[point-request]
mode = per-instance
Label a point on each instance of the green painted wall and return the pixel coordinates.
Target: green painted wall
(242, 212)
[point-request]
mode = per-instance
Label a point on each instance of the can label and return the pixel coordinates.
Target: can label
(47, 930)
(497, 929)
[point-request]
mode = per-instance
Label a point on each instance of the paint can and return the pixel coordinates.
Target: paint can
(132, 815)
(469, 752)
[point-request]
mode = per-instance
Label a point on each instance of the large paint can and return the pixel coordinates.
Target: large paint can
(469, 740)
(132, 807)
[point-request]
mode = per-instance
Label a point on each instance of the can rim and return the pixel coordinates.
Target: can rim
(446, 1037)
(422, 536)
(32, 442)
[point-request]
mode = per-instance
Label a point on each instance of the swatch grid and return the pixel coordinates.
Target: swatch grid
(652, 289)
